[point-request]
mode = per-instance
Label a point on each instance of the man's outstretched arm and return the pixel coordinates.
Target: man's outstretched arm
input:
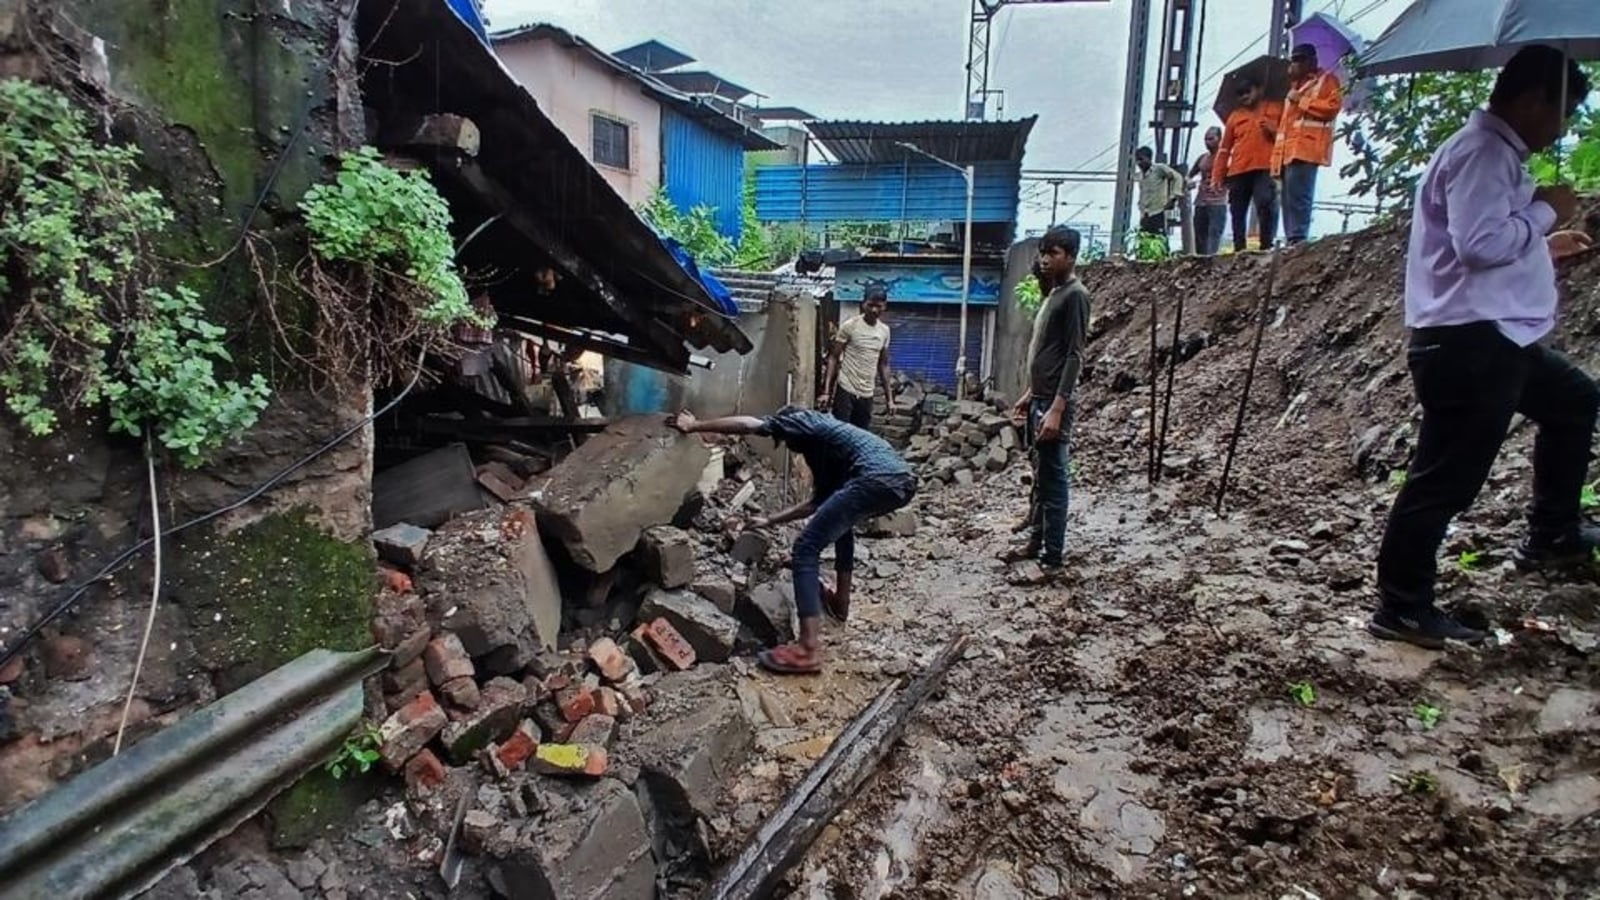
(688, 424)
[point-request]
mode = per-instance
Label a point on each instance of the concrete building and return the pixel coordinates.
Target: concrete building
(640, 118)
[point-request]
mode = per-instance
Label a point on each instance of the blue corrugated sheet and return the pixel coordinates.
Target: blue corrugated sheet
(923, 342)
(885, 192)
(702, 168)
(920, 283)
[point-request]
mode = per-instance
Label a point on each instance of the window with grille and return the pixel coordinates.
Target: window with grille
(610, 141)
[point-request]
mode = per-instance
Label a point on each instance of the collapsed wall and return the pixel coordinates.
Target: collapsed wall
(234, 105)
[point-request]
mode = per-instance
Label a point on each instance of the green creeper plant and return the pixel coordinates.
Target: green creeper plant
(357, 754)
(1428, 715)
(1469, 559)
(394, 222)
(1029, 295)
(696, 230)
(1589, 498)
(82, 320)
(1304, 693)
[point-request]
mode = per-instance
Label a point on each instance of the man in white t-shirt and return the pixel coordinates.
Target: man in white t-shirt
(859, 362)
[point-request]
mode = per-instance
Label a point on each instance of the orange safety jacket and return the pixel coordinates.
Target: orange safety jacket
(1306, 132)
(1246, 146)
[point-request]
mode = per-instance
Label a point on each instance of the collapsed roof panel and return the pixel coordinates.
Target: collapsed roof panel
(549, 206)
(956, 142)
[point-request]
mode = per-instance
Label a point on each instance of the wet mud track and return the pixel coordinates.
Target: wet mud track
(1135, 730)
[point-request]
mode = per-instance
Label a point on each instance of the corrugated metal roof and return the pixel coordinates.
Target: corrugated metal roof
(702, 82)
(653, 56)
(696, 108)
(778, 114)
(918, 190)
(956, 142)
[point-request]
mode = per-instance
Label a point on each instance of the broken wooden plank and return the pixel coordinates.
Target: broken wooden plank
(832, 783)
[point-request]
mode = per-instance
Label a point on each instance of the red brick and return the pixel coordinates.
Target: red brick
(575, 702)
(610, 659)
(53, 565)
(412, 726)
(389, 631)
(424, 772)
(395, 580)
(412, 679)
(461, 692)
(516, 750)
(446, 659)
(569, 760)
(608, 702)
(595, 731)
(557, 682)
(669, 645)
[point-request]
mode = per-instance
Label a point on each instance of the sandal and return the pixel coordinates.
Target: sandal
(789, 659)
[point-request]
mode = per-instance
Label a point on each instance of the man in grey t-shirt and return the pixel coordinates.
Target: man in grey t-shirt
(1055, 358)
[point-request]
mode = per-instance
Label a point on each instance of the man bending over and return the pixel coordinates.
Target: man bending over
(855, 476)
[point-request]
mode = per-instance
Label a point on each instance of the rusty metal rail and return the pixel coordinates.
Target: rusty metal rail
(116, 829)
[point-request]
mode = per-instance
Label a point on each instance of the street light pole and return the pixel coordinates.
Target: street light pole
(969, 175)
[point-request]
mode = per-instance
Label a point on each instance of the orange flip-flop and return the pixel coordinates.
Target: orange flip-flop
(789, 659)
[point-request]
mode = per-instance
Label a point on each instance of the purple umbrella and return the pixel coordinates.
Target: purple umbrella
(1337, 46)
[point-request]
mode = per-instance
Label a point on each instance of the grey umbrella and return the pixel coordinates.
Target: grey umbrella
(1467, 35)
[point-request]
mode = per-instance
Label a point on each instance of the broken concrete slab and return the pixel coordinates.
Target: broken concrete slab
(635, 474)
(488, 579)
(598, 847)
(686, 761)
(668, 556)
(769, 612)
(710, 631)
(401, 544)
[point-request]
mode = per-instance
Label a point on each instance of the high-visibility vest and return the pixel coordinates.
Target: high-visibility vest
(1305, 133)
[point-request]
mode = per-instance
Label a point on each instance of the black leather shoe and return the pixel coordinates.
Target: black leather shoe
(1429, 628)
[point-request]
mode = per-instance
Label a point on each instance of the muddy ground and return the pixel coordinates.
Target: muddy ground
(1135, 731)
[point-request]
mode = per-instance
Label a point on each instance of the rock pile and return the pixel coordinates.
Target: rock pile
(969, 439)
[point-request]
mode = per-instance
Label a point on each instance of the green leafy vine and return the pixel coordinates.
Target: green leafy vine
(83, 320)
(393, 284)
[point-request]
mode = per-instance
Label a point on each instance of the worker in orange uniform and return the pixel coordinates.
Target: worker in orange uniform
(1305, 138)
(1243, 162)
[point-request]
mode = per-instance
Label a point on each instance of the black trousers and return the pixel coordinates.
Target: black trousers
(847, 407)
(1470, 380)
(1253, 189)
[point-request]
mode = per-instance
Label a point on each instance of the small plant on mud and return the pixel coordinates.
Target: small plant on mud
(357, 754)
(1469, 560)
(1146, 247)
(1416, 782)
(393, 284)
(1304, 693)
(82, 318)
(1397, 478)
(1428, 715)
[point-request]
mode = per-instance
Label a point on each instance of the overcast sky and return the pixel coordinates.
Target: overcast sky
(904, 60)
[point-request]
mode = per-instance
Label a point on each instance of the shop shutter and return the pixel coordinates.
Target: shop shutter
(924, 340)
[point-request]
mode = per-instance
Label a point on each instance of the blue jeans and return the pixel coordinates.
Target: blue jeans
(1050, 481)
(1208, 222)
(1299, 193)
(834, 523)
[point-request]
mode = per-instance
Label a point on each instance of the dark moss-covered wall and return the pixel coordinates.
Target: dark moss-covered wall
(235, 105)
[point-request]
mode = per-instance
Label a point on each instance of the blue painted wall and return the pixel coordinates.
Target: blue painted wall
(702, 168)
(919, 284)
(885, 193)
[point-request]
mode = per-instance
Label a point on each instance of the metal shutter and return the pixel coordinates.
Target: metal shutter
(924, 340)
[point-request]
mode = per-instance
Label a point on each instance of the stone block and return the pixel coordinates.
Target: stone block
(498, 713)
(751, 548)
(634, 475)
(446, 660)
(600, 848)
(770, 612)
(461, 693)
(710, 631)
(719, 589)
(409, 650)
(900, 523)
(411, 677)
(688, 760)
(401, 544)
(488, 579)
(409, 729)
(668, 556)
(1009, 439)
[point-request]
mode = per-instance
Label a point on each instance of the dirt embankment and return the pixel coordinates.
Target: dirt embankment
(1199, 711)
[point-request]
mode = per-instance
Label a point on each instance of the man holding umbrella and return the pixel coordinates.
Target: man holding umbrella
(1480, 295)
(1305, 138)
(1243, 160)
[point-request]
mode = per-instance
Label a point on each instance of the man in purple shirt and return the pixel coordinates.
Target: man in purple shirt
(1480, 294)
